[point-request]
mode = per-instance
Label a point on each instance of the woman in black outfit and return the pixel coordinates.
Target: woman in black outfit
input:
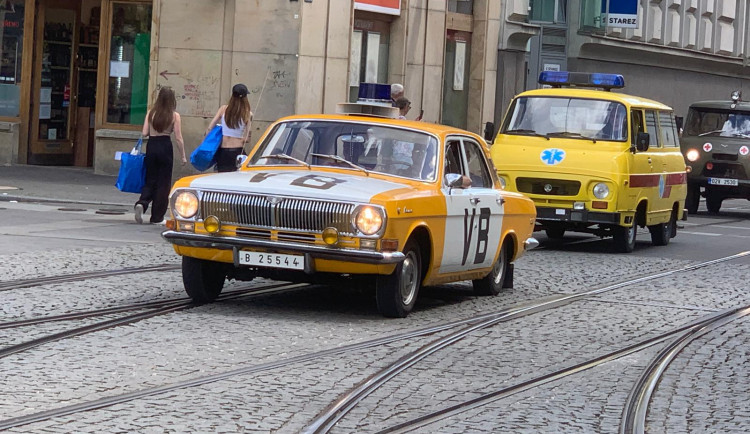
(161, 121)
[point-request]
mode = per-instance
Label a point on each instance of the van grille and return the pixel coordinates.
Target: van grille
(292, 214)
(557, 187)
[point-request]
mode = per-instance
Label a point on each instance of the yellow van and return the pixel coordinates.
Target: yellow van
(593, 160)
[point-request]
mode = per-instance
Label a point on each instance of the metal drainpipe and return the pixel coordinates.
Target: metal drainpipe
(424, 59)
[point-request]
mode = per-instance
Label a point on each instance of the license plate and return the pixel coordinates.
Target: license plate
(275, 260)
(722, 181)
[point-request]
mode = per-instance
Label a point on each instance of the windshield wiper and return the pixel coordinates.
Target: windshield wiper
(342, 160)
(286, 157)
(571, 134)
(710, 132)
(527, 133)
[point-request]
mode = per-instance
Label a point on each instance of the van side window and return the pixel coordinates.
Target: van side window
(668, 129)
(637, 122)
(652, 129)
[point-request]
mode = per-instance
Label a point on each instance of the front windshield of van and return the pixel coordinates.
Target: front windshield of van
(575, 118)
(716, 122)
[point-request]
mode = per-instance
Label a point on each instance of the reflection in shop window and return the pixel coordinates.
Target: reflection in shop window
(548, 11)
(130, 42)
(11, 49)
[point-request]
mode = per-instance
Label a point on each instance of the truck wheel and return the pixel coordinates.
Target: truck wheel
(661, 233)
(396, 293)
(555, 232)
(713, 202)
(203, 280)
(624, 237)
(492, 283)
(693, 198)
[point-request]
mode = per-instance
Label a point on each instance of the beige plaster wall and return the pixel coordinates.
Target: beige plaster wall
(9, 139)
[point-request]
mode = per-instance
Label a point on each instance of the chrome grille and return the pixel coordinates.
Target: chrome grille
(289, 214)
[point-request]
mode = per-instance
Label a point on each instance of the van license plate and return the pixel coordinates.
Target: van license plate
(723, 181)
(275, 260)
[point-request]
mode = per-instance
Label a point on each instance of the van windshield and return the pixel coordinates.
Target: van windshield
(716, 122)
(576, 118)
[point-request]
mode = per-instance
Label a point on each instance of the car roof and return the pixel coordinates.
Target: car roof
(721, 104)
(578, 92)
(428, 127)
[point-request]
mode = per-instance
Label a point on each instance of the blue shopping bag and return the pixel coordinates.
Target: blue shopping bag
(132, 175)
(204, 156)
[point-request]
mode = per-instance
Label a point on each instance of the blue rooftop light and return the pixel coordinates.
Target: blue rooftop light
(374, 92)
(582, 79)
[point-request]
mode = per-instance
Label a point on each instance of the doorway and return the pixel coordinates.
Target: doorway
(64, 74)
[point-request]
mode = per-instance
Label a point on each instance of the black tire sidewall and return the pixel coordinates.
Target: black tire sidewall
(387, 287)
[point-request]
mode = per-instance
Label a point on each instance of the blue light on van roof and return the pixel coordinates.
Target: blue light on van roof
(374, 92)
(582, 79)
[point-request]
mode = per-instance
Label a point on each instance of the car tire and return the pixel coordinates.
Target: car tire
(713, 202)
(396, 293)
(624, 237)
(555, 232)
(693, 198)
(203, 280)
(661, 233)
(493, 283)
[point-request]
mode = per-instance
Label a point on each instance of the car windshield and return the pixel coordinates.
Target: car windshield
(350, 145)
(577, 118)
(726, 123)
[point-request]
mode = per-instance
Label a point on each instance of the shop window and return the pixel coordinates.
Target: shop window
(130, 43)
(368, 59)
(461, 6)
(11, 50)
(548, 11)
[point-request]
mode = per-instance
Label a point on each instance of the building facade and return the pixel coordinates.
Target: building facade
(78, 76)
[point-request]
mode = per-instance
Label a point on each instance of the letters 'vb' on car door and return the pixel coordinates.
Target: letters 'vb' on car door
(474, 214)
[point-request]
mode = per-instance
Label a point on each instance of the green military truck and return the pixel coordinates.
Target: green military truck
(716, 145)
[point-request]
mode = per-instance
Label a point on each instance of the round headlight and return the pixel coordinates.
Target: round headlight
(369, 220)
(601, 191)
(212, 224)
(692, 155)
(186, 204)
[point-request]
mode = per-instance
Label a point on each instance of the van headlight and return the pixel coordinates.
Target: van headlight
(186, 204)
(502, 182)
(369, 220)
(601, 190)
(692, 155)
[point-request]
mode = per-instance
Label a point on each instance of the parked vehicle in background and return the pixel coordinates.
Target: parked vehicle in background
(592, 160)
(716, 145)
(395, 202)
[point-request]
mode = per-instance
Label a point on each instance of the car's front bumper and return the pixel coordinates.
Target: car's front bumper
(189, 239)
(566, 215)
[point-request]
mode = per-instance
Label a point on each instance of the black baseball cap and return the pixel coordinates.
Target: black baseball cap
(239, 90)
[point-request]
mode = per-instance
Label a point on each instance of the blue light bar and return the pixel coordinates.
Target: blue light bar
(582, 79)
(375, 92)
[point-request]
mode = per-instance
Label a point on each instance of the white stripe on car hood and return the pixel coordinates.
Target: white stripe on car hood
(301, 183)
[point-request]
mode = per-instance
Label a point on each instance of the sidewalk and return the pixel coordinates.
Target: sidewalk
(61, 185)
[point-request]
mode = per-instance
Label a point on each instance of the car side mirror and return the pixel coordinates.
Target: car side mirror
(240, 160)
(454, 180)
(489, 132)
(642, 141)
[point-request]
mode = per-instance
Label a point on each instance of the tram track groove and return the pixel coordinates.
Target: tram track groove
(493, 317)
(339, 408)
(63, 278)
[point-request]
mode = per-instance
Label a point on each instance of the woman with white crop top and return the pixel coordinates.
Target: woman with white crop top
(235, 120)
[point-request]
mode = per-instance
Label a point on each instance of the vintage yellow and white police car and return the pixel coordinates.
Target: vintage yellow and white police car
(320, 196)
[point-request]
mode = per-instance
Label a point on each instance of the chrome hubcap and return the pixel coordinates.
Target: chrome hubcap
(499, 268)
(409, 278)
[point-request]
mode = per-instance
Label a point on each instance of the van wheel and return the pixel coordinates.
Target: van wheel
(203, 280)
(693, 198)
(661, 233)
(713, 202)
(555, 232)
(624, 237)
(396, 293)
(492, 283)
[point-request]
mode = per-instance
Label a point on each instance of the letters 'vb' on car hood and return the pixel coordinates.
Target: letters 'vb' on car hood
(299, 183)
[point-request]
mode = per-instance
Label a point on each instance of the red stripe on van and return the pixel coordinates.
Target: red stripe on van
(644, 180)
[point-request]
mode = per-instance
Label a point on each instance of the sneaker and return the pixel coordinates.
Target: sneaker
(163, 222)
(139, 213)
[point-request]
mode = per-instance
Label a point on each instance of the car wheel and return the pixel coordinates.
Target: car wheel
(203, 280)
(396, 293)
(662, 232)
(713, 202)
(555, 232)
(624, 237)
(693, 198)
(492, 283)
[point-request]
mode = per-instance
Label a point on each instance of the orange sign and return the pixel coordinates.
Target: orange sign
(391, 7)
